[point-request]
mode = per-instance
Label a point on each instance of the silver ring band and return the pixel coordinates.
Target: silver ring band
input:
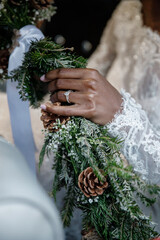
(66, 94)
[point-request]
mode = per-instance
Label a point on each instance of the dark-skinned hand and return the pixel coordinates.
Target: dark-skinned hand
(93, 97)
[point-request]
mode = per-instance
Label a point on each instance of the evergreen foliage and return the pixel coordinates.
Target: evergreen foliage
(115, 214)
(43, 56)
(79, 144)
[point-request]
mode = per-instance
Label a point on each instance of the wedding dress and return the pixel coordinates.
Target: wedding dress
(129, 56)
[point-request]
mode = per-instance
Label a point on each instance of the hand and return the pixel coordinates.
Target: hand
(93, 97)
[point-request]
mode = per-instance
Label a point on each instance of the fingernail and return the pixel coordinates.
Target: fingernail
(43, 107)
(42, 78)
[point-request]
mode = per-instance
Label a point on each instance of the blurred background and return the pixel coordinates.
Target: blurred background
(79, 23)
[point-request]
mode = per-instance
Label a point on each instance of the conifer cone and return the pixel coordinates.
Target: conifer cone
(90, 184)
(16, 2)
(49, 119)
(39, 4)
(90, 235)
(4, 56)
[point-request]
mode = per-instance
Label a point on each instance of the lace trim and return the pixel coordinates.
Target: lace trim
(141, 145)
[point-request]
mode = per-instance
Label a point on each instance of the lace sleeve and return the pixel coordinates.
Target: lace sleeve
(141, 145)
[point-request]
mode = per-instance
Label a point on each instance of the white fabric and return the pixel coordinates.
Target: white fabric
(19, 111)
(26, 212)
(140, 146)
(141, 143)
(129, 56)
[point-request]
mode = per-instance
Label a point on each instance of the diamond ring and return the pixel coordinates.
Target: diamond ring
(66, 94)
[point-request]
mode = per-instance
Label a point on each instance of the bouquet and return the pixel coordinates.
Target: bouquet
(87, 161)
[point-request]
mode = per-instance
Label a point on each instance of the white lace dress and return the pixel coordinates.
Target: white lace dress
(129, 56)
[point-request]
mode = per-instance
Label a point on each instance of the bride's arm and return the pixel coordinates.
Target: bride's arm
(141, 144)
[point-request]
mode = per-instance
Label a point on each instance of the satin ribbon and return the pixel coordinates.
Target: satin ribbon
(19, 110)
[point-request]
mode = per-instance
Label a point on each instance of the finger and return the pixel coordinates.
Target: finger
(72, 110)
(69, 73)
(72, 84)
(74, 97)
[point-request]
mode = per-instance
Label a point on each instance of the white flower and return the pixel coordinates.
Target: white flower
(1, 6)
(90, 200)
(1, 71)
(96, 199)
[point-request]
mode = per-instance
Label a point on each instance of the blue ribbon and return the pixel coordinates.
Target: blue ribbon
(19, 111)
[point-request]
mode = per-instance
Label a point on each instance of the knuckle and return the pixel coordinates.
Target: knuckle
(59, 83)
(53, 97)
(90, 103)
(50, 86)
(60, 96)
(91, 83)
(60, 71)
(56, 84)
(94, 73)
(90, 97)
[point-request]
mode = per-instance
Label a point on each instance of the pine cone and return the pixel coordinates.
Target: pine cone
(49, 119)
(39, 4)
(4, 56)
(90, 235)
(90, 184)
(16, 2)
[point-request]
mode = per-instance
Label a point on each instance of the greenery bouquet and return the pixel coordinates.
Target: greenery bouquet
(87, 161)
